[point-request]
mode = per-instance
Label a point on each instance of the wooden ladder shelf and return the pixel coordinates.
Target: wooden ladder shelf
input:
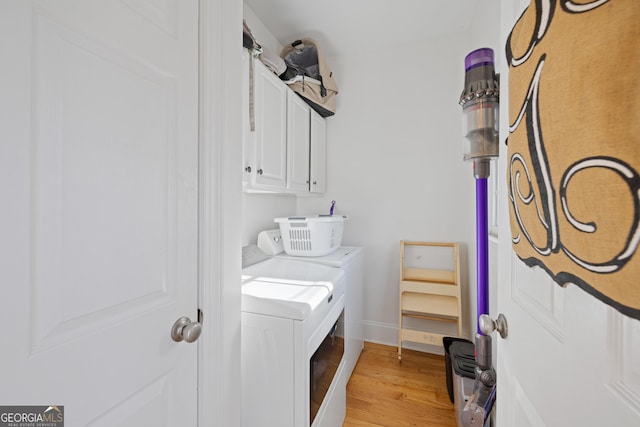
(428, 290)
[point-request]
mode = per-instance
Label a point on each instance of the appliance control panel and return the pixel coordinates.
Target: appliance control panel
(270, 241)
(251, 254)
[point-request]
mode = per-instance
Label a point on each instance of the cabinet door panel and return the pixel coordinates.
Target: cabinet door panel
(271, 137)
(248, 135)
(318, 153)
(298, 135)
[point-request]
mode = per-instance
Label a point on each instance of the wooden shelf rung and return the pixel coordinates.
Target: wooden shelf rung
(429, 275)
(422, 337)
(430, 288)
(436, 317)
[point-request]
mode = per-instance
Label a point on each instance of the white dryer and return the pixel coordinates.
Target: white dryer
(351, 260)
(292, 344)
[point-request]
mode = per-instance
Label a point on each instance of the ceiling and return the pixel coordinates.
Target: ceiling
(340, 26)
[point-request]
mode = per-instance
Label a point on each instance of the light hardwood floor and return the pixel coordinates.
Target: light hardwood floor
(384, 392)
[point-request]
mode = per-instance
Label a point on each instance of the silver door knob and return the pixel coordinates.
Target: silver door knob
(185, 330)
(488, 325)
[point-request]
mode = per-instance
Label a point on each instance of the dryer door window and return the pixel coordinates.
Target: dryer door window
(323, 365)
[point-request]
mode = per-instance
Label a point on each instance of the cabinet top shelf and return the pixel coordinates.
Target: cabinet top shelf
(429, 275)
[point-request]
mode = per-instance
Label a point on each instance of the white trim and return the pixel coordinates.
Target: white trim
(387, 334)
(381, 333)
(220, 195)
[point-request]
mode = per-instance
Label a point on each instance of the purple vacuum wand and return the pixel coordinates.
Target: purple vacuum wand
(479, 100)
(480, 108)
(482, 248)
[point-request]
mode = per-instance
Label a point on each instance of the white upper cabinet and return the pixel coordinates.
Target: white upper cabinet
(286, 151)
(265, 148)
(318, 158)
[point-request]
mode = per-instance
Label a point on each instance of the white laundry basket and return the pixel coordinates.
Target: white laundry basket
(311, 235)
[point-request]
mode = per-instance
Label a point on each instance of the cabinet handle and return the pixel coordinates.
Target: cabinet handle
(259, 171)
(315, 182)
(247, 169)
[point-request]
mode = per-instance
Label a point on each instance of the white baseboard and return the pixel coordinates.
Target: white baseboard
(387, 334)
(380, 333)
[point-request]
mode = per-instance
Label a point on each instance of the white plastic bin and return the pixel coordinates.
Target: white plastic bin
(311, 235)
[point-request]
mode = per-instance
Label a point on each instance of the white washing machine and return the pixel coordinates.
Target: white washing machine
(292, 344)
(351, 260)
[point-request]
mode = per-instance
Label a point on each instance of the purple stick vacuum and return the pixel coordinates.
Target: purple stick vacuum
(480, 108)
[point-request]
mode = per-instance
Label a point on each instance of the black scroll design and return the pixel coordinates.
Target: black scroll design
(631, 178)
(570, 6)
(544, 195)
(546, 208)
(545, 12)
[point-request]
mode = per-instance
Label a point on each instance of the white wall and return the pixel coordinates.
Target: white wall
(259, 210)
(395, 163)
(260, 32)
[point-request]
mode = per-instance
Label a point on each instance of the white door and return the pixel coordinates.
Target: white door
(569, 359)
(99, 182)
